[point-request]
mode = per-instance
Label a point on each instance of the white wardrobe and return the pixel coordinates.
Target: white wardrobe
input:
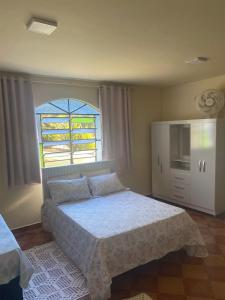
(188, 163)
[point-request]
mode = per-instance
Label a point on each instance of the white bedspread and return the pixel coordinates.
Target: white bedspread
(13, 261)
(110, 235)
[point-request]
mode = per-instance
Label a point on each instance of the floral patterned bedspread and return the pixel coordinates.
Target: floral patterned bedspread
(110, 235)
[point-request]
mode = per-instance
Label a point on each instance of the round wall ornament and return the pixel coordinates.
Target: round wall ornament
(210, 102)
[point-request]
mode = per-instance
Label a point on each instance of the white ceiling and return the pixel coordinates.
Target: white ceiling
(134, 41)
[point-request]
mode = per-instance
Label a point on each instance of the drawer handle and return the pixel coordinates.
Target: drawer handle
(178, 178)
(179, 187)
(178, 196)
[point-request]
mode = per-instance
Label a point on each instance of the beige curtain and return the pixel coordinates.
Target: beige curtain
(115, 107)
(18, 131)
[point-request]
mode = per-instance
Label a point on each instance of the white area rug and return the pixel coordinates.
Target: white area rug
(141, 296)
(55, 277)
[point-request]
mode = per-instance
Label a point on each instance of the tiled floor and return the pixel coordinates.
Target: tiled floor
(174, 277)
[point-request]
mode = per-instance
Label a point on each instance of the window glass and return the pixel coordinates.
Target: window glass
(69, 133)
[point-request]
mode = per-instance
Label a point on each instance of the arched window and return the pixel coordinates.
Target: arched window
(69, 132)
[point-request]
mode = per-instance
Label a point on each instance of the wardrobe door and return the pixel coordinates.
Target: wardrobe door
(203, 141)
(165, 161)
(156, 174)
(160, 160)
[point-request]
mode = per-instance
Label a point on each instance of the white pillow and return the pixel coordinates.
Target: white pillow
(69, 190)
(105, 184)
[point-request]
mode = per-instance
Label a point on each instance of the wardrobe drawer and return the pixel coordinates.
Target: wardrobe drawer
(180, 178)
(180, 192)
(178, 197)
(178, 187)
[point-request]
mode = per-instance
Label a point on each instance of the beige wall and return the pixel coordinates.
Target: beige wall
(46, 89)
(146, 108)
(21, 206)
(178, 102)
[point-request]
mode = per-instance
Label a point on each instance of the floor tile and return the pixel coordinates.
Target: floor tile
(199, 298)
(215, 261)
(215, 223)
(216, 273)
(170, 285)
(218, 231)
(147, 283)
(197, 288)
(192, 260)
(170, 269)
(218, 289)
(222, 248)
(220, 239)
(194, 272)
(214, 249)
(171, 297)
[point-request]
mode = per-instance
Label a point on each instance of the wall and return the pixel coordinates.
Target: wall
(46, 89)
(21, 206)
(178, 102)
(146, 108)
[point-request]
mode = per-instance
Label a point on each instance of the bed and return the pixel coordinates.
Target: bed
(109, 235)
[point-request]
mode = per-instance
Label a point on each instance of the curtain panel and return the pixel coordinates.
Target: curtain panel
(115, 107)
(18, 131)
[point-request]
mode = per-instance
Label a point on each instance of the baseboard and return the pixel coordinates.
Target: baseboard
(30, 226)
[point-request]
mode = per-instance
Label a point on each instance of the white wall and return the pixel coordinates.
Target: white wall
(46, 89)
(21, 206)
(178, 102)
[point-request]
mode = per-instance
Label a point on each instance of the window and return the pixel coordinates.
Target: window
(69, 132)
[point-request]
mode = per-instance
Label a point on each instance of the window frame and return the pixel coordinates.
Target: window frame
(71, 142)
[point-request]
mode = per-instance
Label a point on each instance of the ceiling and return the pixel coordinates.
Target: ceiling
(133, 41)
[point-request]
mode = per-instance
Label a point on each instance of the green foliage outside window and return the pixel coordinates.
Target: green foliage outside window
(61, 131)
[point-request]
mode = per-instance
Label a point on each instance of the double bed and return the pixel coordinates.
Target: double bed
(109, 235)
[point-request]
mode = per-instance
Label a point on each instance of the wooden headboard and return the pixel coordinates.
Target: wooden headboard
(71, 171)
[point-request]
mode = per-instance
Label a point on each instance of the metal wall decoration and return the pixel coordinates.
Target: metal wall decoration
(210, 102)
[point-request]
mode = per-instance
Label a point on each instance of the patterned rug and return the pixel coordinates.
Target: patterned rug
(141, 296)
(55, 277)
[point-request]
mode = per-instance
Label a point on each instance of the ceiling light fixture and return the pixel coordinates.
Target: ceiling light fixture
(197, 60)
(41, 26)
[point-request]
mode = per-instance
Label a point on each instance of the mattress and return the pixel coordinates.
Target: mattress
(109, 235)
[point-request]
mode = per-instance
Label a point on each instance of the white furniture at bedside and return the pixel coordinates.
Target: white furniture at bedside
(188, 163)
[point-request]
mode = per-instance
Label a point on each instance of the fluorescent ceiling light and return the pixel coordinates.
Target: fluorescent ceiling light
(41, 26)
(197, 60)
